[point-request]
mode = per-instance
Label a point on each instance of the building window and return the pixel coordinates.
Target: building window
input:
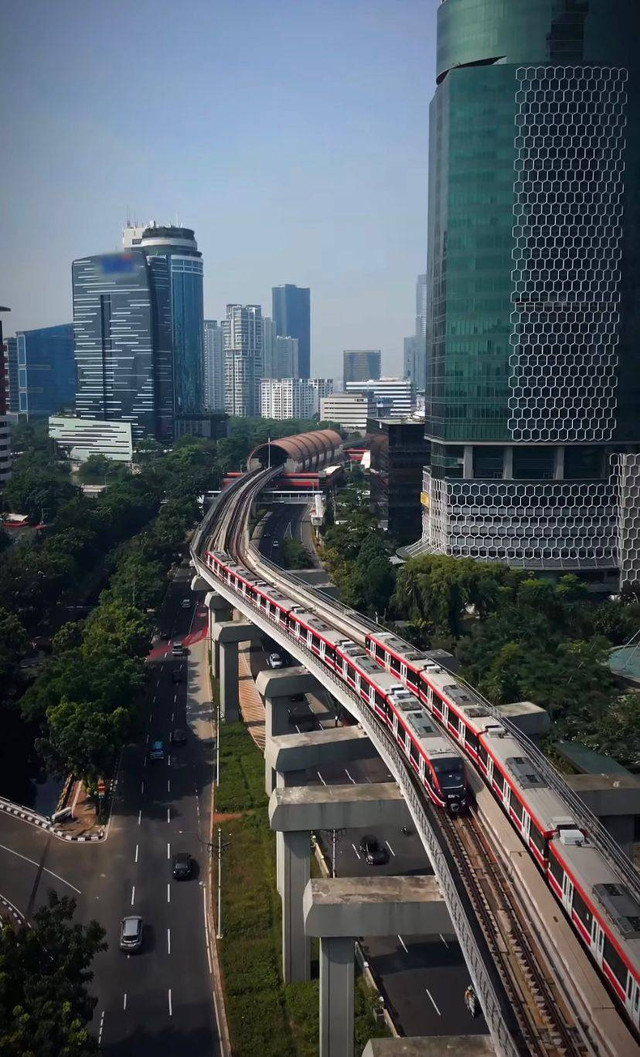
(22, 379)
(533, 464)
(583, 462)
(487, 462)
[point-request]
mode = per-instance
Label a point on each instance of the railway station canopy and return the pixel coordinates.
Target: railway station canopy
(304, 451)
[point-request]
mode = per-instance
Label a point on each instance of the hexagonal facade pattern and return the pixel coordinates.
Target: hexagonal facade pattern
(627, 483)
(567, 234)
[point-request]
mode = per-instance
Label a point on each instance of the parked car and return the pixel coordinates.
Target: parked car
(186, 603)
(274, 660)
(156, 752)
(178, 737)
(182, 866)
(177, 649)
(176, 675)
(131, 934)
(374, 852)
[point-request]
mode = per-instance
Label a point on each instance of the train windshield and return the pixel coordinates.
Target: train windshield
(450, 772)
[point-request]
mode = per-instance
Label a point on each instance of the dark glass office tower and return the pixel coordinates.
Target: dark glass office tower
(46, 370)
(178, 247)
(360, 365)
(121, 314)
(291, 311)
(12, 367)
(533, 368)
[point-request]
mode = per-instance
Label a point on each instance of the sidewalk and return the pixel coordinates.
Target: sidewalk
(251, 704)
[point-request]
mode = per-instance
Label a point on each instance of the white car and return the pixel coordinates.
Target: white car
(186, 603)
(275, 661)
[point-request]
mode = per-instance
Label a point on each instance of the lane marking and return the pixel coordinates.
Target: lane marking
(145, 762)
(168, 814)
(155, 698)
(100, 1029)
(150, 716)
(136, 858)
(321, 778)
(168, 941)
(124, 1001)
(168, 786)
(133, 894)
(168, 851)
(443, 940)
(142, 785)
(206, 928)
(175, 697)
(390, 848)
(168, 761)
(349, 776)
(170, 1006)
(168, 892)
(147, 739)
(139, 816)
(355, 850)
(172, 715)
(44, 868)
(433, 1002)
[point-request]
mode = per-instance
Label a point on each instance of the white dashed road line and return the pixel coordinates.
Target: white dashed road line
(168, 814)
(349, 776)
(124, 1002)
(390, 848)
(139, 816)
(321, 778)
(433, 1002)
(170, 1005)
(168, 892)
(137, 849)
(403, 944)
(100, 1028)
(356, 851)
(168, 941)
(168, 851)
(133, 895)
(443, 940)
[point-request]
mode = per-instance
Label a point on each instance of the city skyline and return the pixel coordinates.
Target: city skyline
(317, 115)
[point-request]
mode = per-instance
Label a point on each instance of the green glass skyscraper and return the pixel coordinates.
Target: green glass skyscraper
(533, 337)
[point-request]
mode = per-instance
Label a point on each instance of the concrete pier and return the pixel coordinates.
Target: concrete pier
(219, 610)
(294, 812)
(226, 635)
(338, 910)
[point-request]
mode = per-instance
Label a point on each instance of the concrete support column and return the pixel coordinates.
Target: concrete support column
(296, 948)
(276, 722)
(507, 466)
(336, 996)
(219, 610)
(229, 695)
(281, 782)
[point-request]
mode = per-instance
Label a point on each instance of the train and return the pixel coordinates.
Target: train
(416, 700)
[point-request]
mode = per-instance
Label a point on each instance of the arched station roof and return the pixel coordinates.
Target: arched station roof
(303, 451)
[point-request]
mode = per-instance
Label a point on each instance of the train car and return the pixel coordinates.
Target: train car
(312, 631)
(397, 656)
(605, 914)
(439, 766)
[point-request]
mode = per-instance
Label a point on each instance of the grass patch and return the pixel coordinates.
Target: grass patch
(266, 1017)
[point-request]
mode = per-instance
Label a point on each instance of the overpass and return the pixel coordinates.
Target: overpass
(577, 1015)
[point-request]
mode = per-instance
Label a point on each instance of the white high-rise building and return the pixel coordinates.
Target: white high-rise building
(391, 397)
(284, 398)
(213, 365)
(243, 363)
(349, 410)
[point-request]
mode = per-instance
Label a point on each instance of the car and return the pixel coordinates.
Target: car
(275, 544)
(176, 675)
(373, 851)
(186, 603)
(156, 752)
(131, 934)
(182, 866)
(274, 660)
(177, 649)
(178, 737)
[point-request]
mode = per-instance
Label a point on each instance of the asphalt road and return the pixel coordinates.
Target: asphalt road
(160, 1000)
(423, 978)
(282, 522)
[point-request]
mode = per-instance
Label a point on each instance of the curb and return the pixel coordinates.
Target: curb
(17, 811)
(15, 913)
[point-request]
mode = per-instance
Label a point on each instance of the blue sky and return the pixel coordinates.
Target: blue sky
(291, 134)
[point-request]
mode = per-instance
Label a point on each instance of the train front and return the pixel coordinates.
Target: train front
(453, 785)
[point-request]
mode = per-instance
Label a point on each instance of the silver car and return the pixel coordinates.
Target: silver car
(131, 934)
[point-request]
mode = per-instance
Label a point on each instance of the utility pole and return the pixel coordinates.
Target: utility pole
(219, 932)
(217, 743)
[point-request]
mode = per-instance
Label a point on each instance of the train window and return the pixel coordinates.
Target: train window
(615, 962)
(415, 755)
(538, 839)
(516, 807)
(394, 664)
(351, 672)
(498, 780)
(380, 701)
(453, 721)
(483, 754)
(556, 870)
(582, 910)
(471, 739)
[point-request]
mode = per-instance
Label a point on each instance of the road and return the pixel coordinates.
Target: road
(159, 1001)
(423, 978)
(289, 519)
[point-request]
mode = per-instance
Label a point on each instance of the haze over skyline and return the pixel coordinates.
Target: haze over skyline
(292, 137)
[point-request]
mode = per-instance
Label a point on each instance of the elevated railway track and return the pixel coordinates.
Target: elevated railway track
(529, 1003)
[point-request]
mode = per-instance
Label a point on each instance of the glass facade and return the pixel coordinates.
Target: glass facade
(398, 451)
(533, 303)
(292, 316)
(120, 318)
(360, 365)
(45, 370)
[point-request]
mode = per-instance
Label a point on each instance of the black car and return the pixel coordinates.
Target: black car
(178, 737)
(375, 854)
(176, 675)
(182, 866)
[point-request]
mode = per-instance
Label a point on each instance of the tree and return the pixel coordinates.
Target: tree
(37, 492)
(294, 555)
(45, 1005)
(82, 740)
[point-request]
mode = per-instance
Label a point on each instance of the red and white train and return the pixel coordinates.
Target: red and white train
(407, 696)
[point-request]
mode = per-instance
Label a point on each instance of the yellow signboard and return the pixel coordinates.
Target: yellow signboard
(425, 499)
